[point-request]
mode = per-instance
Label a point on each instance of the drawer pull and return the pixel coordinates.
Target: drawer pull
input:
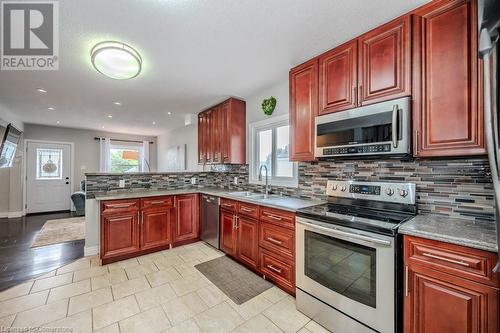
(247, 209)
(274, 217)
(157, 202)
(274, 269)
(120, 206)
(275, 241)
(453, 261)
(228, 205)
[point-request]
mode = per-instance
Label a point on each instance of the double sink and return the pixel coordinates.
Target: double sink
(253, 196)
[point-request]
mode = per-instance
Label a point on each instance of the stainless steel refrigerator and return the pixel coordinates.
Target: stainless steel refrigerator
(489, 25)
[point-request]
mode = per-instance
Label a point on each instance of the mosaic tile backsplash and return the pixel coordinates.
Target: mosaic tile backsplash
(452, 187)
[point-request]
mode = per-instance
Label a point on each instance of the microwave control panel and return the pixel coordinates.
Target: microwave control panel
(365, 149)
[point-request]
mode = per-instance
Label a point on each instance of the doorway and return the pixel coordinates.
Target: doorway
(48, 176)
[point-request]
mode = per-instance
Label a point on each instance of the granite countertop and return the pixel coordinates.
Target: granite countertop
(475, 234)
(280, 202)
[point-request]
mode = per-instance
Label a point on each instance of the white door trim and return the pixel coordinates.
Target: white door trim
(25, 167)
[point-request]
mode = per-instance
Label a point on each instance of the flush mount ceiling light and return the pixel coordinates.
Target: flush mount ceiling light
(41, 90)
(116, 60)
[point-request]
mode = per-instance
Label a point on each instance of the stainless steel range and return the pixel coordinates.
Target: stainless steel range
(349, 256)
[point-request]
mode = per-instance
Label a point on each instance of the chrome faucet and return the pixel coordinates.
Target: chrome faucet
(267, 179)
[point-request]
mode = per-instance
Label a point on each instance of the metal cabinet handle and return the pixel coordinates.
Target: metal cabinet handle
(394, 126)
(138, 219)
(275, 241)
(247, 209)
(228, 205)
(355, 94)
(274, 269)
(236, 221)
(120, 206)
(274, 217)
(142, 217)
(453, 261)
(157, 202)
(406, 281)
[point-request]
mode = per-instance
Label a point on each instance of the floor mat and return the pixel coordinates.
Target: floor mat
(236, 281)
(60, 231)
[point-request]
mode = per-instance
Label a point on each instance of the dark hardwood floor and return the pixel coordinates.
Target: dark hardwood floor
(19, 262)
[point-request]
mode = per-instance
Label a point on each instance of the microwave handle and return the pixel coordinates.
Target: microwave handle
(395, 126)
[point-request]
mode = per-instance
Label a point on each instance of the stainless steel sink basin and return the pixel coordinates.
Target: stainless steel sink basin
(253, 195)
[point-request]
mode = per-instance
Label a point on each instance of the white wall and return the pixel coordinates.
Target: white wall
(86, 148)
(189, 135)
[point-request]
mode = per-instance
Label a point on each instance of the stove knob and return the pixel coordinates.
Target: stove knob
(334, 187)
(403, 193)
(389, 191)
(343, 188)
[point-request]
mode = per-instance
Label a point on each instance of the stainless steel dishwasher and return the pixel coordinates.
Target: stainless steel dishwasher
(210, 220)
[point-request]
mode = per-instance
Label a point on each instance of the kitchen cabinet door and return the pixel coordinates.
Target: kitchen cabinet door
(248, 241)
(187, 222)
(208, 137)
(119, 235)
(156, 228)
(447, 108)
(202, 148)
(216, 135)
(228, 235)
(439, 302)
(303, 83)
(338, 78)
(385, 62)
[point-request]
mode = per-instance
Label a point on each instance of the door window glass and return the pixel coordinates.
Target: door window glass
(344, 267)
(49, 163)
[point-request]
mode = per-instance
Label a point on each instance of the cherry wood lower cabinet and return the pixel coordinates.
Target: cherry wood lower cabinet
(131, 228)
(120, 230)
(187, 220)
(449, 288)
(262, 239)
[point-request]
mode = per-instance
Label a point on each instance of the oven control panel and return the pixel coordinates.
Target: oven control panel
(380, 191)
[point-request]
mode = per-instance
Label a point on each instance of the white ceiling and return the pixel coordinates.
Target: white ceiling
(195, 53)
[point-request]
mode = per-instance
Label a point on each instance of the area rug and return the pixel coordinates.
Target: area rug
(237, 282)
(60, 231)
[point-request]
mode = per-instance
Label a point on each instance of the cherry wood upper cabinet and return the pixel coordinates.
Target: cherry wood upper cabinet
(223, 133)
(447, 110)
(187, 222)
(338, 78)
(303, 83)
(385, 62)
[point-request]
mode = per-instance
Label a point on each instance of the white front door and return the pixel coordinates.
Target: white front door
(48, 171)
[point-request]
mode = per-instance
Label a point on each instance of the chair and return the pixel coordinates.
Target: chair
(78, 199)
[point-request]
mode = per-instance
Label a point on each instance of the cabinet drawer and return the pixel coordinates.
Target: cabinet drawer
(457, 260)
(229, 205)
(280, 271)
(278, 217)
(278, 240)
(248, 210)
(118, 206)
(158, 202)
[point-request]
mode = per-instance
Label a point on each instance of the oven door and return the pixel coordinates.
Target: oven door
(377, 129)
(352, 271)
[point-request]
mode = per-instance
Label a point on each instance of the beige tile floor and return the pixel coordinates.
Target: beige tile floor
(159, 292)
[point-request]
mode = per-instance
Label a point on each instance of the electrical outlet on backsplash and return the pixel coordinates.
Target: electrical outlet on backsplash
(451, 187)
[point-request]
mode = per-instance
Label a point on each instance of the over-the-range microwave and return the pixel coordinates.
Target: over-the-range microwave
(376, 129)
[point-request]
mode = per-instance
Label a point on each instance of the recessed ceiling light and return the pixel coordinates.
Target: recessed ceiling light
(102, 127)
(41, 90)
(116, 60)
(154, 122)
(110, 116)
(169, 113)
(51, 108)
(117, 103)
(58, 122)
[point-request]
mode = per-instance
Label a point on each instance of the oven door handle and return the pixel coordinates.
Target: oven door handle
(347, 235)
(394, 126)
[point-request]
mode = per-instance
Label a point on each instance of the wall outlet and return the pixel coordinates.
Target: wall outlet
(193, 180)
(235, 180)
(122, 183)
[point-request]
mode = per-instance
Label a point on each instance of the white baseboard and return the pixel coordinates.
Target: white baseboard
(11, 215)
(90, 251)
